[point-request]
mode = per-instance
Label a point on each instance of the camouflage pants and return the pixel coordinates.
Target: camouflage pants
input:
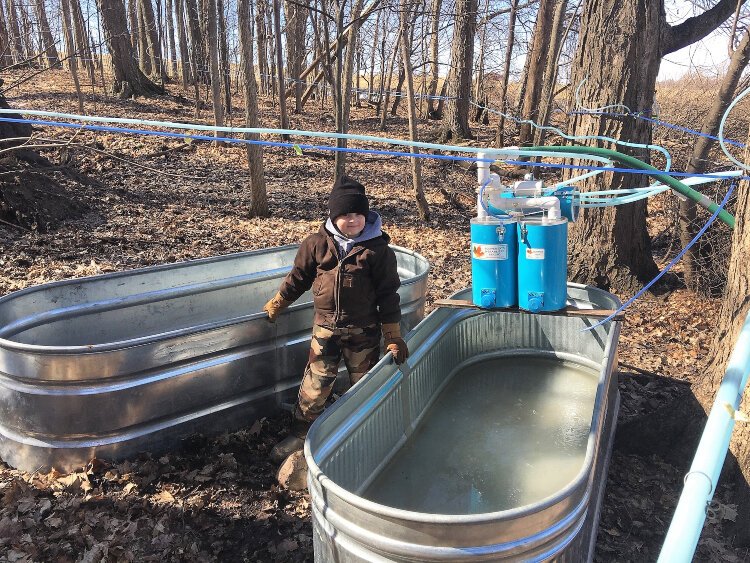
(360, 349)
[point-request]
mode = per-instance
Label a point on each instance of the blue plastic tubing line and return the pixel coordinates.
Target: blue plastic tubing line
(700, 482)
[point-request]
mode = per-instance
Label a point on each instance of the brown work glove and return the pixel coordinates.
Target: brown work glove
(275, 306)
(394, 343)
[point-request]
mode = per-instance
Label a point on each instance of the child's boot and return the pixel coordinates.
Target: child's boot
(292, 443)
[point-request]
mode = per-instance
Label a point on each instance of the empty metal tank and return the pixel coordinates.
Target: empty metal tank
(125, 362)
(490, 444)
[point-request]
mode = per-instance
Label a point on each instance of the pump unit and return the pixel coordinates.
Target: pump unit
(519, 243)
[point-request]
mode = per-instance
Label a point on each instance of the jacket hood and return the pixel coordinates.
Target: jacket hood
(373, 229)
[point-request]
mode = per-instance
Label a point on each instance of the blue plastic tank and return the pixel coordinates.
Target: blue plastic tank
(494, 259)
(542, 264)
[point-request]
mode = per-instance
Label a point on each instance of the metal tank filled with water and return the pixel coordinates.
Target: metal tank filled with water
(494, 243)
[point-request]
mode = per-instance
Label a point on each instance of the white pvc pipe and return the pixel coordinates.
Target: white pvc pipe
(700, 482)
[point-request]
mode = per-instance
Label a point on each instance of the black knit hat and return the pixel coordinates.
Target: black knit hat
(347, 196)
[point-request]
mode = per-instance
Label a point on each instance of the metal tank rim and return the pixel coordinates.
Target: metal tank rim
(134, 342)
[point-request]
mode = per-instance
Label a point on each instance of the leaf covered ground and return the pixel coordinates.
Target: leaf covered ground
(112, 202)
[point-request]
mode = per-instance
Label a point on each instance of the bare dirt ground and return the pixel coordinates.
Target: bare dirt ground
(114, 202)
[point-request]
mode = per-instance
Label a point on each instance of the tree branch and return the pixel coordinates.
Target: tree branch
(696, 28)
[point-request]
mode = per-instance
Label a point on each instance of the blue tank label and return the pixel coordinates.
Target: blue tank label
(489, 251)
(534, 254)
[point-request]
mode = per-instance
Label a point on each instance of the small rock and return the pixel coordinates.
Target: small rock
(292, 474)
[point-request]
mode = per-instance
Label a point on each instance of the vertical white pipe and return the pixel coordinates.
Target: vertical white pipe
(700, 482)
(483, 175)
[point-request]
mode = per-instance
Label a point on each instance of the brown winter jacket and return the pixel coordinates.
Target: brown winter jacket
(358, 290)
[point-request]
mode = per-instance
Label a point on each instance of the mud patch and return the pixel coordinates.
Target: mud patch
(36, 201)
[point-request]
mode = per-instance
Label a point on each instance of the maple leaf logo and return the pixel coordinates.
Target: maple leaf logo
(478, 252)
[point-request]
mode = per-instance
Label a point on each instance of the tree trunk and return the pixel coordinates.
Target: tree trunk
(697, 163)
(67, 26)
(47, 41)
(260, 25)
(128, 78)
(537, 57)
(500, 140)
(168, 12)
(735, 307)
(83, 46)
(375, 40)
(434, 57)
(550, 72)
(343, 101)
(283, 121)
(14, 29)
(456, 125)
(619, 51)
(152, 40)
(213, 52)
(479, 80)
(144, 57)
(6, 59)
(296, 24)
(416, 165)
(187, 75)
(381, 77)
(134, 24)
(398, 95)
(386, 85)
(258, 198)
(226, 79)
(197, 52)
(27, 35)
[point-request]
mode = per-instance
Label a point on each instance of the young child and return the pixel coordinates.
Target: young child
(353, 275)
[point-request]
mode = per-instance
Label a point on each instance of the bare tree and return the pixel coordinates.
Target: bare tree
(701, 149)
(296, 24)
(262, 39)
(283, 121)
(45, 35)
(152, 39)
(258, 198)
(343, 85)
(537, 59)
(224, 58)
(144, 56)
(134, 24)
(559, 32)
(213, 52)
(385, 85)
(434, 57)
(197, 51)
(735, 306)
(83, 45)
(500, 140)
(375, 42)
(70, 45)
(416, 166)
(611, 248)
(186, 74)
(169, 14)
(128, 78)
(456, 123)
(14, 35)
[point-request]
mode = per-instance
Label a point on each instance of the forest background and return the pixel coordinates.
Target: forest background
(468, 72)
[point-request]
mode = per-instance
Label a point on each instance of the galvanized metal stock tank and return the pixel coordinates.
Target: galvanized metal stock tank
(131, 361)
(353, 442)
